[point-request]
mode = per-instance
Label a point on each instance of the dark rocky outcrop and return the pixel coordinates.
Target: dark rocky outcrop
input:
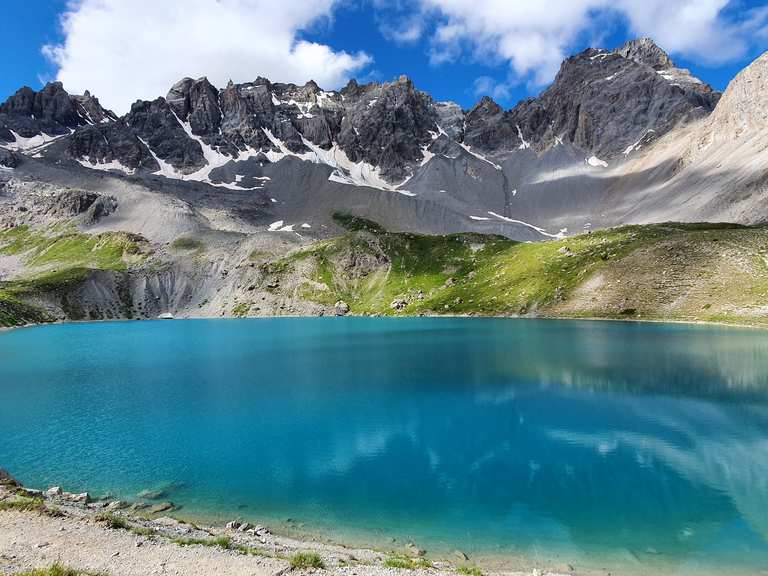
(89, 206)
(51, 111)
(8, 159)
(115, 141)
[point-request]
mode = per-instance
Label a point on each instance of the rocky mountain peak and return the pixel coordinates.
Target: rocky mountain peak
(645, 51)
(600, 101)
(50, 111)
(485, 107)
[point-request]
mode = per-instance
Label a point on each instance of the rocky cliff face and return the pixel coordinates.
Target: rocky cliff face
(51, 111)
(744, 105)
(603, 102)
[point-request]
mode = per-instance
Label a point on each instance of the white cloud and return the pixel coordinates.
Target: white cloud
(534, 37)
(123, 50)
(487, 86)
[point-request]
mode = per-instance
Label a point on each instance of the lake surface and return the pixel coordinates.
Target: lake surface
(642, 448)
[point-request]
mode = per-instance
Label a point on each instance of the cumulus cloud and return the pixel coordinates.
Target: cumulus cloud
(534, 37)
(123, 50)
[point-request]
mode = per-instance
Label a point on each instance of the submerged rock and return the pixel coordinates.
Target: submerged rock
(151, 494)
(162, 507)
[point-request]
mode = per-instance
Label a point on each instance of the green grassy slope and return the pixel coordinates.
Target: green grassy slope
(708, 272)
(57, 259)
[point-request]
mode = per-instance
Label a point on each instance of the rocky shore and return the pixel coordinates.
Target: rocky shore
(42, 528)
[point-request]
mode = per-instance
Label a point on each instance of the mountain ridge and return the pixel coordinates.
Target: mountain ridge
(565, 161)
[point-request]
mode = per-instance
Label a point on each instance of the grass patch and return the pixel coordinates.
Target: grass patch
(113, 521)
(224, 542)
(108, 251)
(14, 312)
(356, 224)
(406, 562)
(187, 244)
(27, 504)
(241, 310)
(303, 560)
(469, 571)
(142, 531)
(23, 504)
(59, 570)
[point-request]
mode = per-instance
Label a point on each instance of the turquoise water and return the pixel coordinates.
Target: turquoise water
(642, 448)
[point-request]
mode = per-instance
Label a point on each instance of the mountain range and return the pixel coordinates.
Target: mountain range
(621, 137)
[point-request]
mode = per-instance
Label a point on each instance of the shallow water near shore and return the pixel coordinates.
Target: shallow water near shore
(640, 448)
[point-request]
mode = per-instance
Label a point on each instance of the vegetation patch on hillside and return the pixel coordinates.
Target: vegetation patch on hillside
(715, 272)
(57, 260)
(49, 248)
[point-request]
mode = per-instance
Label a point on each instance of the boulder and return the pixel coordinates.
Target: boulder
(83, 498)
(8, 159)
(116, 505)
(341, 308)
(53, 491)
(398, 304)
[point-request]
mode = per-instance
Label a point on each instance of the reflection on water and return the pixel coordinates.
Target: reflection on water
(604, 444)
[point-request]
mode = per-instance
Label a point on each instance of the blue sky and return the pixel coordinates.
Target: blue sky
(455, 50)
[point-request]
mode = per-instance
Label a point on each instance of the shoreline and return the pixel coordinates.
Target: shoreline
(754, 326)
(40, 528)
(34, 523)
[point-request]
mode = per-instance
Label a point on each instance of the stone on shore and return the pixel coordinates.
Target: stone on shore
(116, 505)
(83, 498)
(412, 550)
(166, 521)
(341, 308)
(53, 491)
(162, 507)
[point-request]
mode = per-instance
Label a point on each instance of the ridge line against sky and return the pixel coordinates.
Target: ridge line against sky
(124, 50)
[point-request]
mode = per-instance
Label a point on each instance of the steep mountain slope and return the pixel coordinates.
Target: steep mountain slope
(551, 166)
(712, 169)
